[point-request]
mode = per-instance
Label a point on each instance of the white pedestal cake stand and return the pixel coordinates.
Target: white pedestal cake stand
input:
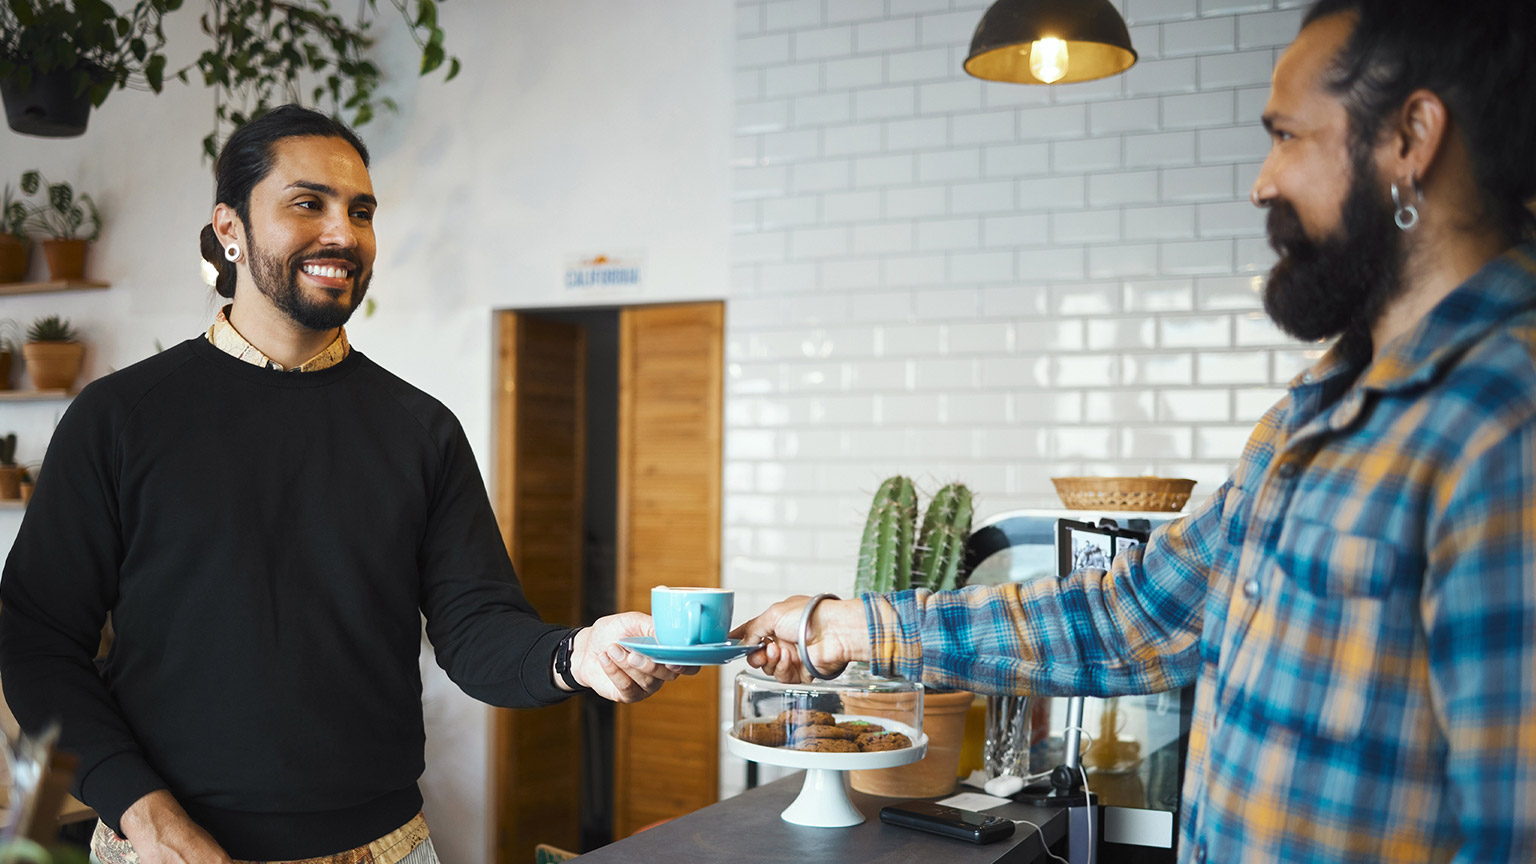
(823, 801)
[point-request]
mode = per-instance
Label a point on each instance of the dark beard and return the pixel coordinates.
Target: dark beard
(1338, 286)
(279, 281)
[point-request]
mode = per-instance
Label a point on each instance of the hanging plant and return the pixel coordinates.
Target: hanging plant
(268, 52)
(58, 58)
(264, 53)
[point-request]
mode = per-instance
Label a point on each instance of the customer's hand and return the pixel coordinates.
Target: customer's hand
(613, 671)
(837, 636)
(162, 833)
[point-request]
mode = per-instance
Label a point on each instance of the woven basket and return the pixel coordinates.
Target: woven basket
(1146, 494)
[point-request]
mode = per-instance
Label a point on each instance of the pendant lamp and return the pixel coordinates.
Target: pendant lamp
(1050, 42)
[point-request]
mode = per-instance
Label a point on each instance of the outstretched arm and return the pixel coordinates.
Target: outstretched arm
(1132, 629)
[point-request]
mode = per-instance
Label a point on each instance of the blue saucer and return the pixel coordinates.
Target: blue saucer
(712, 654)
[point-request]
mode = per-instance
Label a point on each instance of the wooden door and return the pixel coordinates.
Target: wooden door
(541, 410)
(671, 377)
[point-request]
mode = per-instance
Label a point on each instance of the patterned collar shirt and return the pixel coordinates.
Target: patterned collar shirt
(1355, 605)
(226, 338)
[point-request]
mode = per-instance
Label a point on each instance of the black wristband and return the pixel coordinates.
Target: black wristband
(563, 653)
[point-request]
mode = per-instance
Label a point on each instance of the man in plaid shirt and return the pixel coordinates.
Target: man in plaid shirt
(1356, 604)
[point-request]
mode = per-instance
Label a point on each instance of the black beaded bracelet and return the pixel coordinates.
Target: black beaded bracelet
(563, 660)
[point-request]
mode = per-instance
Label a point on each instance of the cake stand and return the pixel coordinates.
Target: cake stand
(823, 801)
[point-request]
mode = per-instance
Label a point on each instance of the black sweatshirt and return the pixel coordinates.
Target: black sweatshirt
(267, 543)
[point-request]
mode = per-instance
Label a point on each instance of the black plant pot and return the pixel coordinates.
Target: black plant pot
(49, 108)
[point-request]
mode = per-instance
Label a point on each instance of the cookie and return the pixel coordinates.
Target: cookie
(822, 731)
(806, 717)
(827, 745)
(872, 742)
(769, 734)
(860, 726)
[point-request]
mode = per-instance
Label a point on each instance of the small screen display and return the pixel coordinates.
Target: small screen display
(1084, 546)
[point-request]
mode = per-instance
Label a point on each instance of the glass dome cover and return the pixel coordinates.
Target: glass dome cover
(856, 712)
(854, 722)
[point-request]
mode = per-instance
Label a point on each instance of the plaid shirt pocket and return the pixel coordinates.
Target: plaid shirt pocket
(1308, 660)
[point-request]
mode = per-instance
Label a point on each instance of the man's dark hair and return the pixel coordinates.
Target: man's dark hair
(247, 159)
(1478, 56)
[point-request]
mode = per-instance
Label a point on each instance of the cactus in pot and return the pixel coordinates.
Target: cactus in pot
(895, 555)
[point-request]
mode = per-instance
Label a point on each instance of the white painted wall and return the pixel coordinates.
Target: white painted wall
(926, 273)
(576, 126)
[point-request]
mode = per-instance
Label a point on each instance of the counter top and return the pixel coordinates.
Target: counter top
(747, 829)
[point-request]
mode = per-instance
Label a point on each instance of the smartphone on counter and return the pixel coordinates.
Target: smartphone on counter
(967, 825)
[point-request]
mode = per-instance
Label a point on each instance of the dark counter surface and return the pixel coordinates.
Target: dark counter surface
(747, 829)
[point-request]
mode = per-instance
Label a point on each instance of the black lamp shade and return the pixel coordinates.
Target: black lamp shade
(1098, 44)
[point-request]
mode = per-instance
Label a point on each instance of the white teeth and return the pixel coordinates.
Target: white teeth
(328, 272)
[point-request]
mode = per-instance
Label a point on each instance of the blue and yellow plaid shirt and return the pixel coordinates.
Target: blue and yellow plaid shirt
(1356, 606)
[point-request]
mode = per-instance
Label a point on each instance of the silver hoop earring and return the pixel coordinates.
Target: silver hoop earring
(1407, 215)
(232, 252)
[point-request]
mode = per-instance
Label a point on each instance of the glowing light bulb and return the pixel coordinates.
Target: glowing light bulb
(1048, 59)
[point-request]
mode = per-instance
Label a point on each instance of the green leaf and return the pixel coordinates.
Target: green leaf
(138, 48)
(61, 196)
(154, 72)
(426, 14)
(431, 57)
(453, 69)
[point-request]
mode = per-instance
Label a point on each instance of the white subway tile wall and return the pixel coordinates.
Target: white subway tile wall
(957, 279)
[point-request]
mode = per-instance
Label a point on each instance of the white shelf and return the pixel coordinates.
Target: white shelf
(52, 287)
(35, 395)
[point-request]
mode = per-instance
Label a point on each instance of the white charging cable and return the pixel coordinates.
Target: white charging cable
(1087, 797)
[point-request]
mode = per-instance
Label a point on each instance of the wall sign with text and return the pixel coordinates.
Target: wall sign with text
(586, 272)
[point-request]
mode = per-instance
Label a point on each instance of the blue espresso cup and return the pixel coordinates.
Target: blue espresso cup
(691, 616)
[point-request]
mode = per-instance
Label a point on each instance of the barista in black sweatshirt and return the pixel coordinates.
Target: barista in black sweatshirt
(267, 538)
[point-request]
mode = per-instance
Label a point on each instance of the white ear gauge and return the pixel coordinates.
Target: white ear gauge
(1406, 215)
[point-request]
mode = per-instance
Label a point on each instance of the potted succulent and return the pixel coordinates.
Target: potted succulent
(895, 554)
(59, 58)
(10, 342)
(27, 484)
(67, 220)
(14, 245)
(54, 353)
(10, 472)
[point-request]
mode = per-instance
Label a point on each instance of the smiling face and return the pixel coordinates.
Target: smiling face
(310, 233)
(1308, 166)
(1330, 218)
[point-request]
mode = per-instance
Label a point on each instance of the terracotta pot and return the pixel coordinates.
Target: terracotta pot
(53, 365)
(26, 491)
(13, 258)
(10, 482)
(944, 724)
(66, 258)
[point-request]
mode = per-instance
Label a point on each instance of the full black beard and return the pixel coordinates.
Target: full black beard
(279, 281)
(1340, 285)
